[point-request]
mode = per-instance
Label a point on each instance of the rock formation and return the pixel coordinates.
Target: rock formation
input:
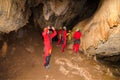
(101, 34)
(14, 14)
(98, 20)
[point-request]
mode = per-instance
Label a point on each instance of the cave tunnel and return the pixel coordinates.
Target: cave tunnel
(22, 44)
(86, 10)
(37, 22)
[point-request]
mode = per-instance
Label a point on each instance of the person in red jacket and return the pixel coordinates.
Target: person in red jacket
(59, 36)
(64, 38)
(48, 44)
(76, 38)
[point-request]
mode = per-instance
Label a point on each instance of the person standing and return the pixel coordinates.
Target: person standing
(76, 38)
(48, 44)
(69, 35)
(64, 38)
(59, 36)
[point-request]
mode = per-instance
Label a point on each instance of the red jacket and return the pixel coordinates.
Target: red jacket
(64, 36)
(59, 33)
(48, 39)
(77, 35)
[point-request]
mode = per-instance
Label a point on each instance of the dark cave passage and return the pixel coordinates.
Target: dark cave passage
(80, 11)
(87, 11)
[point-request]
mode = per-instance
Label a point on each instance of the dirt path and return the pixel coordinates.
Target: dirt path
(24, 61)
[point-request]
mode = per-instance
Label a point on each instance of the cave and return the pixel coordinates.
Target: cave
(22, 45)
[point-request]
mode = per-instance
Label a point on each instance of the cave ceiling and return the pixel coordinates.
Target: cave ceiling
(15, 14)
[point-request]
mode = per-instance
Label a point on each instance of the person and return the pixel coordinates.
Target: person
(69, 35)
(64, 38)
(59, 36)
(76, 38)
(48, 44)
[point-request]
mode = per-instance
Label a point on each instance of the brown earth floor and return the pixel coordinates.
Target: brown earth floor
(24, 61)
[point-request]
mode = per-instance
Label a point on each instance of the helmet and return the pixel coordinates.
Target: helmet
(64, 27)
(77, 29)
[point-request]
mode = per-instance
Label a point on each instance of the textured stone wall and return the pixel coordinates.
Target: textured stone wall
(101, 31)
(13, 15)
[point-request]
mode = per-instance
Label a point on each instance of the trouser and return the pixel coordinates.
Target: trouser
(59, 41)
(76, 47)
(47, 60)
(47, 55)
(63, 47)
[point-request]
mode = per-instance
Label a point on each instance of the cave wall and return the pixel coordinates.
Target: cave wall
(101, 31)
(13, 15)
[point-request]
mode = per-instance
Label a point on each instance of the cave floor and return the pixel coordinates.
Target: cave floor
(24, 61)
